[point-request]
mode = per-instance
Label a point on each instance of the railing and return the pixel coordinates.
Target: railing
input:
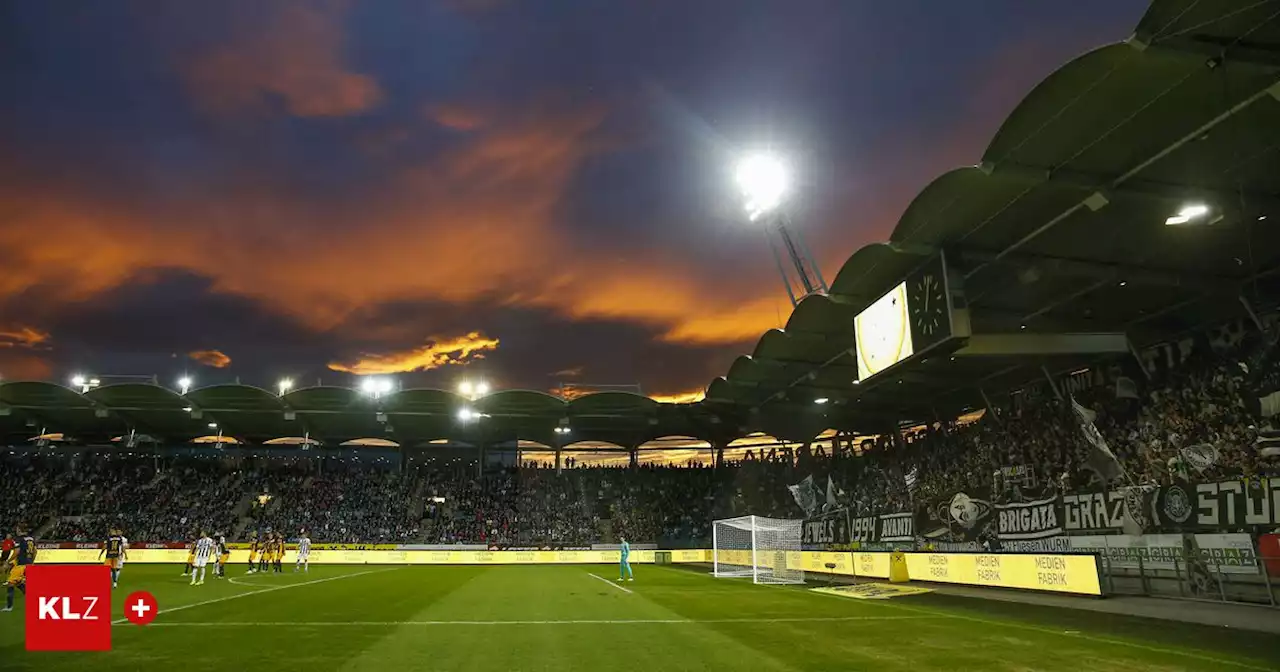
(1257, 584)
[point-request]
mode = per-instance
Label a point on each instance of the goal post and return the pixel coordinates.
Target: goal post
(765, 549)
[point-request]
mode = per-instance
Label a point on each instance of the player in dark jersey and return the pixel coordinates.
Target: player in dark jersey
(224, 554)
(24, 553)
(113, 549)
(279, 553)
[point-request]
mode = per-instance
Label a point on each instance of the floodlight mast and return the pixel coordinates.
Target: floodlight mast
(764, 182)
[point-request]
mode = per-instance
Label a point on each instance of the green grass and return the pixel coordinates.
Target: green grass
(561, 619)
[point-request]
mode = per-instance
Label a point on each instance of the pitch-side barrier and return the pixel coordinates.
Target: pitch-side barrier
(1076, 574)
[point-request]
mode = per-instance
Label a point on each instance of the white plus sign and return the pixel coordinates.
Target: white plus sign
(141, 608)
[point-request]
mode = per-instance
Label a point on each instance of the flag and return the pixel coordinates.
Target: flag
(1101, 459)
(910, 479)
(1268, 443)
(1200, 456)
(806, 494)
(1270, 404)
(831, 494)
(1126, 388)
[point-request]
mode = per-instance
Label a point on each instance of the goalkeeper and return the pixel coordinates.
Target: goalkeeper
(624, 564)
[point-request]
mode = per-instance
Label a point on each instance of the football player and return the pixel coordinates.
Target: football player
(24, 553)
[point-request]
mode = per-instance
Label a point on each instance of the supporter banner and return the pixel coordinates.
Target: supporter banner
(1225, 505)
(865, 529)
(962, 518)
(896, 527)
(1028, 520)
(825, 531)
(1058, 544)
(1220, 553)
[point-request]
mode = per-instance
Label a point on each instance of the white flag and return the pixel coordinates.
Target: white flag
(1101, 459)
(831, 494)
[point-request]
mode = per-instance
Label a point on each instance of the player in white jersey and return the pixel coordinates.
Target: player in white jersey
(304, 550)
(204, 551)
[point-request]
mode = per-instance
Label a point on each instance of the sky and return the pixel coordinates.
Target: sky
(525, 192)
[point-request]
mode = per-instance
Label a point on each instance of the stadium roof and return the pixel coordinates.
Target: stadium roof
(334, 415)
(1060, 227)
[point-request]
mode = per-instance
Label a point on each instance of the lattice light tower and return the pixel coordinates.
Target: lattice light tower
(765, 184)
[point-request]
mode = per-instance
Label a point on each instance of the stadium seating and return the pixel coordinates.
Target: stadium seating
(1208, 398)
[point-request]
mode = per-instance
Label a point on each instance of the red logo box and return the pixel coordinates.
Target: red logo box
(68, 608)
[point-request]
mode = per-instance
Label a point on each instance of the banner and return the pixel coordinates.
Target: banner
(1055, 573)
(1220, 553)
(896, 527)
(825, 531)
(1029, 520)
(963, 518)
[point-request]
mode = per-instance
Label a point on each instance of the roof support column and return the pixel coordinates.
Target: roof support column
(479, 458)
(635, 455)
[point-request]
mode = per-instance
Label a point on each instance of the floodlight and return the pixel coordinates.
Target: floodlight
(1189, 212)
(78, 381)
(465, 388)
(284, 385)
(481, 388)
(466, 414)
(821, 400)
(369, 385)
(213, 425)
(763, 181)
(384, 385)
(184, 384)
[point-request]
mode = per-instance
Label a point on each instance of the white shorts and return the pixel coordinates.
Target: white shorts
(201, 562)
(302, 555)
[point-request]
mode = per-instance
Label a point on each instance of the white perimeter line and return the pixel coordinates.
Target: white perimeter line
(600, 578)
(118, 621)
(682, 621)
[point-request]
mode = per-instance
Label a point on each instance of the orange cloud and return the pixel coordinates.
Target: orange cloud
(572, 372)
(435, 354)
(295, 57)
(214, 358)
(23, 337)
(680, 397)
(456, 117)
(476, 222)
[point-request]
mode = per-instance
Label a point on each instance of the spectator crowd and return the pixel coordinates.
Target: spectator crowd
(1193, 415)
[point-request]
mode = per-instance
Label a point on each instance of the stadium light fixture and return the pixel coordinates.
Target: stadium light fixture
(184, 384)
(213, 425)
(821, 400)
(481, 388)
(764, 183)
(284, 385)
(376, 386)
(465, 388)
(78, 381)
(1189, 213)
(467, 415)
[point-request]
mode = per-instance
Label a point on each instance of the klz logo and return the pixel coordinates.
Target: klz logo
(68, 608)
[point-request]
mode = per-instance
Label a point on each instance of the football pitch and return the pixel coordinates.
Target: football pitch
(565, 618)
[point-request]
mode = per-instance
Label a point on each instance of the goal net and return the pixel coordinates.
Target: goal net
(765, 549)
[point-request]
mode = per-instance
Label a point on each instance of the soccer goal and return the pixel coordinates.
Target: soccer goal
(757, 547)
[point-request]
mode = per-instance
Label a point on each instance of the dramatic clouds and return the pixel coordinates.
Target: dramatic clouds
(436, 353)
(312, 183)
(213, 358)
(295, 57)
